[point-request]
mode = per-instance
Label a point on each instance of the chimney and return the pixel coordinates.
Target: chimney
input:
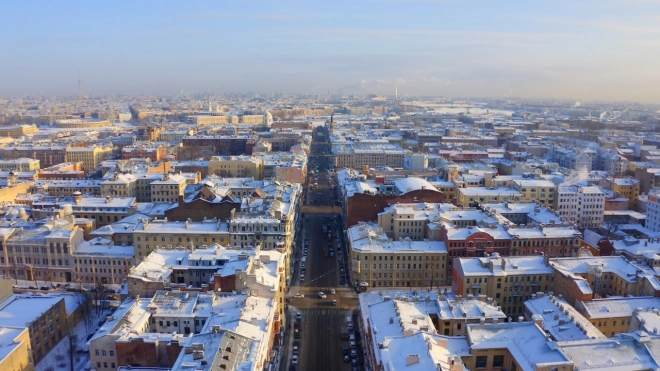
(503, 264)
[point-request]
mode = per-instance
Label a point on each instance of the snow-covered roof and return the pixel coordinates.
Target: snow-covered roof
(561, 320)
(524, 340)
(616, 307)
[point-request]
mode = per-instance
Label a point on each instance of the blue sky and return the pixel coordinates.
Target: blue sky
(549, 49)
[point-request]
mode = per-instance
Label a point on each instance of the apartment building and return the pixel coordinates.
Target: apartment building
(168, 188)
(149, 235)
(48, 155)
(473, 195)
(40, 254)
(237, 167)
(234, 145)
(613, 316)
(510, 281)
(18, 130)
(559, 318)
(103, 210)
(379, 261)
(208, 120)
(626, 187)
(653, 210)
(44, 317)
(18, 353)
(356, 156)
(585, 278)
(20, 164)
(66, 187)
(91, 157)
(540, 190)
(101, 261)
(582, 205)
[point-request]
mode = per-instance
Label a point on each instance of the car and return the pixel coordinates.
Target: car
(341, 270)
(292, 368)
(296, 351)
(302, 278)
(32, 287)
(298, 296)
(322, 295)
(352, 344)
(298, 315)
(353, 353)
(294, 360)
(342, 282)
(332, 291)
(344, 349)
(334, 302)
(354, 361)
(44, 288)
(347, 358)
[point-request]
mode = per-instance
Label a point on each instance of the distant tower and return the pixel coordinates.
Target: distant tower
(111, 114)
(396, 96)
(79, 88)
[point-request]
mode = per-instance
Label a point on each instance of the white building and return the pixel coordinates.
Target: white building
(653, 210)
(583, 206)
(416, 161)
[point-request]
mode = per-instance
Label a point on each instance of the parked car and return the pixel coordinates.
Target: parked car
(294, 359)
(298, 296)
(322, 295)
(332, 291)
(334, 302)
(347, 358)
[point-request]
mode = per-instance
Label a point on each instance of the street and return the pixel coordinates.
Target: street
(321, 322)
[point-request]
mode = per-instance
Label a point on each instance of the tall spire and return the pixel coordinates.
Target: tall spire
(396, 95)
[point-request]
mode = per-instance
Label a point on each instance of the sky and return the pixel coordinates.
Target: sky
(583, 50)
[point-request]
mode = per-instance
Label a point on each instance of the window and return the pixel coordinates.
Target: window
(96, 352)
(481, 361)
(112, 354)
(498, 361)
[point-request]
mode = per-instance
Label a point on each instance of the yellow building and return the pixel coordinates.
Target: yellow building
(20, 164)
(612, 316)
(18, 131)
(536, 190)
(91, 157)
(208, 119)
(626, 187)
(150, 235)
(252, 119)
(377, 261)
(82, 123)
(16, 354)
(237, 167)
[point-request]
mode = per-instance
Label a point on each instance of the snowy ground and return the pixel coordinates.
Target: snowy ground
(58, 358)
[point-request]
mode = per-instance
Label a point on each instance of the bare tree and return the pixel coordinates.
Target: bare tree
(83, 300)
(72, 345)
(611, 227)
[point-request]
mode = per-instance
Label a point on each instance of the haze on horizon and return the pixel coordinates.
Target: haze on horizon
(593, 49)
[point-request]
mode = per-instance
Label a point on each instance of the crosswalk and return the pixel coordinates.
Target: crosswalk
(327, 312)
